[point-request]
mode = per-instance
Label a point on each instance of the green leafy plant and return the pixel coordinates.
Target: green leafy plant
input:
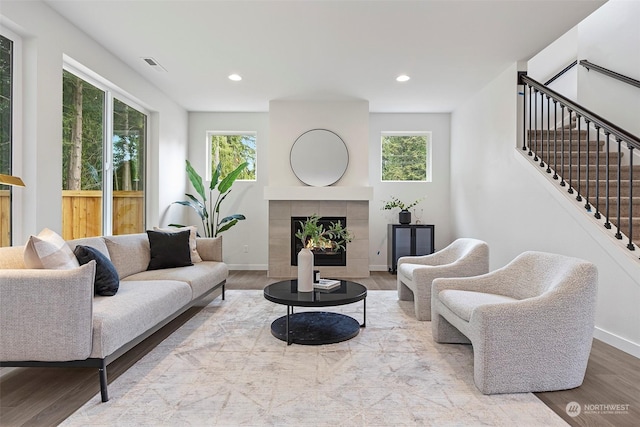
(212, 224)
(315, 236)
(397, 203)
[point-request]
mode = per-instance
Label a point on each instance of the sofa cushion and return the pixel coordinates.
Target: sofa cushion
(136, 308)
(193, 234)
(201, 276)
(129, 253)
(95, 242)
(169, 250)
(49, 250)
(106, 281)
(462, 303)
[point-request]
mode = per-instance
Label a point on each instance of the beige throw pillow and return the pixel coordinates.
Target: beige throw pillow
(49, 250)
(195, 256)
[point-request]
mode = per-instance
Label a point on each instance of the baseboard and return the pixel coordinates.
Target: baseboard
(618, 342)
(248, 267)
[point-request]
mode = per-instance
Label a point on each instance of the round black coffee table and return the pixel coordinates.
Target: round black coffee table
(316, 327)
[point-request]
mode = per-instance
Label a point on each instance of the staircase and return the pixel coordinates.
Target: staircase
(578, 161)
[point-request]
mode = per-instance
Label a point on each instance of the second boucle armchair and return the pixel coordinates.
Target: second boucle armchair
(462, 258)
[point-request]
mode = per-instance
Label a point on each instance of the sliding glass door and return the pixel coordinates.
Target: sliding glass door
(104, 141)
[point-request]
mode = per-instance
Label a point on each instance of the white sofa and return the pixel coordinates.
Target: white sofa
(53, 318)
(530, 322)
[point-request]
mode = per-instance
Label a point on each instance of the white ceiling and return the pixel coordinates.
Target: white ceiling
(303, 49)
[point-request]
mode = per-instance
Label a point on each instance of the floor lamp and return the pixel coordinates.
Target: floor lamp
(11, 180)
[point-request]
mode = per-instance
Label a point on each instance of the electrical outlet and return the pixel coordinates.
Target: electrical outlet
(246, 249)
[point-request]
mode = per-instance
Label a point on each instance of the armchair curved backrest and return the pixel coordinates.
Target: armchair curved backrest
(532, 274)
(457, 250)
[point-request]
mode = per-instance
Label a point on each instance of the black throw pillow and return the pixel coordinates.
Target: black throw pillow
(169, 249)
(106, 281)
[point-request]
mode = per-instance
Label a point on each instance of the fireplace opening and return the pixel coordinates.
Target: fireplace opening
(320, 257)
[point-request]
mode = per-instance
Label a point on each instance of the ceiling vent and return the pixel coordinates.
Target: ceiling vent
(154, 64)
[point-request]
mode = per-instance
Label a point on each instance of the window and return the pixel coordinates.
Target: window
(406, 156)
(7, 106)
(103, 170)
(231, 149)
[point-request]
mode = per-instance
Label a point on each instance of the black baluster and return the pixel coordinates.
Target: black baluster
(607, 223)
(548, 136)
(535, 115)
(524, 116)
(555, 140)
(562, 183)
(587, 205)
(542, 129)
(570, 190)
(530, 153)
(597, 214)
(618, 234)
(630, 245)
(579, 120)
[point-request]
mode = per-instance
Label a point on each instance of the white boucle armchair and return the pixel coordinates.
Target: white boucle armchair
(462, 258)
(530, 322)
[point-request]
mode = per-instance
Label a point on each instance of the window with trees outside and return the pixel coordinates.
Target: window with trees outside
(231, 149)
(103, 170)
(406, 156)
(6, 137)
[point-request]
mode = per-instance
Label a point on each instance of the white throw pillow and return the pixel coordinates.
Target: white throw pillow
(49, 250)
(195, 256)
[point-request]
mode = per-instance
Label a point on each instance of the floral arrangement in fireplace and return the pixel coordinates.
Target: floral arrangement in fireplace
(315, 237)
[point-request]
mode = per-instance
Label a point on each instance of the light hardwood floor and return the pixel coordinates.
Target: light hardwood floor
(46, 396)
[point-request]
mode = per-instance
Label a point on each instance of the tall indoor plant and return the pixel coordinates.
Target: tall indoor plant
(212, 224)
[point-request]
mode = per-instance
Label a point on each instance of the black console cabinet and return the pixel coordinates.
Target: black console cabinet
(408, 240)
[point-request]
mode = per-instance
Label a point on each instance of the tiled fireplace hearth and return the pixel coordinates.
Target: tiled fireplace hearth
(357, 215)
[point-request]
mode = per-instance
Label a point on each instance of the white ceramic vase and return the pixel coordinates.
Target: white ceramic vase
(305, 270)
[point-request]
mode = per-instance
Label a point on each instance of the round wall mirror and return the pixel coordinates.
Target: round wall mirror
(319, 157)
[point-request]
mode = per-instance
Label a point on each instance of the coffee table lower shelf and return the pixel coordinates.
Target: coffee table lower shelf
(315, 328)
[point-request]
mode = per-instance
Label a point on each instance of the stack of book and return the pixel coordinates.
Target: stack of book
(326, 284)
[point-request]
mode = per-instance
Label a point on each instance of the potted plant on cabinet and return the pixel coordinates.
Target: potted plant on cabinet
(404, 217)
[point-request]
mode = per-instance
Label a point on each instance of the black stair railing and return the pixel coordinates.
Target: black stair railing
(537, 141)
(591, 66)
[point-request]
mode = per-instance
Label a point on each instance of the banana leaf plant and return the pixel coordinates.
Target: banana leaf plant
(212, 224)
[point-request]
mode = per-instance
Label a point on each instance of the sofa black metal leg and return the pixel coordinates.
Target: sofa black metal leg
(103, 382)
(223, 292)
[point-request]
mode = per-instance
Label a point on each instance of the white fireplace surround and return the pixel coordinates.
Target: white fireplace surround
(357, 214)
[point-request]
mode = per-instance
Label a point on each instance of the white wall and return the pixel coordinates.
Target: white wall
(553, 59)
(610, 37)
(436, 205)
(47, 37)
(497, 198)
(288, 119)
(246, 197)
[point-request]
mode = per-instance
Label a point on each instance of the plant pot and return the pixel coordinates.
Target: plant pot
(305, 270)
(404, 217)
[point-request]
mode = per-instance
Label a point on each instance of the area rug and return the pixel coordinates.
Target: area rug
(224, 368)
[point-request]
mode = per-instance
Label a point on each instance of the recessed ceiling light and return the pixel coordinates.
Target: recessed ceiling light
(402, 78)
(235, 77)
